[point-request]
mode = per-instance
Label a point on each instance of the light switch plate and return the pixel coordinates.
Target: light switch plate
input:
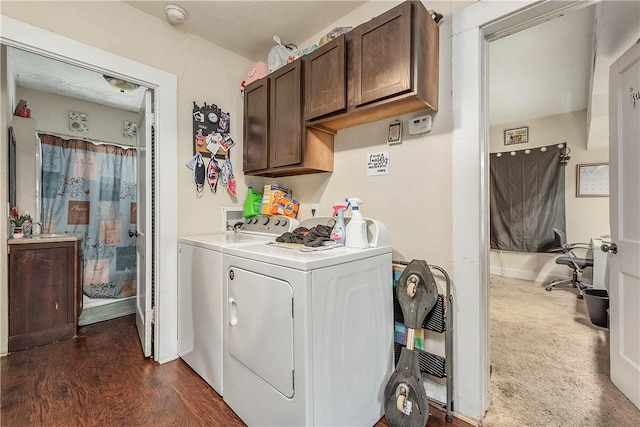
(420, 124)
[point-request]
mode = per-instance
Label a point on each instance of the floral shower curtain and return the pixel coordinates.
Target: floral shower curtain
(90, 189)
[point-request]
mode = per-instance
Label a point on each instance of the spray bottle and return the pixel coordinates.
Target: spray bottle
(357, 227)
(338, 233)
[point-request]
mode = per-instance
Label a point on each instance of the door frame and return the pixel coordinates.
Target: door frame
(55, 46)
(472, 29)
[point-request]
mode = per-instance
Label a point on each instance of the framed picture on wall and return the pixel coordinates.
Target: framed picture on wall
(516, 136)
(592, 180)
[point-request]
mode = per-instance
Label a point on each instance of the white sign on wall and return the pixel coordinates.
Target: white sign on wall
(378, 163)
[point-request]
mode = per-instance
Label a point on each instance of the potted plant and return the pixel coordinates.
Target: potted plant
(19, 222)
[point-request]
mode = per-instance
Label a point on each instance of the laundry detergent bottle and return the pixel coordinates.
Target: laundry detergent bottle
(357, 227)
(251, 206)
(339, 233)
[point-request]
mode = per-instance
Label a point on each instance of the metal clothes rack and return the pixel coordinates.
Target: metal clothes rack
(439, 320)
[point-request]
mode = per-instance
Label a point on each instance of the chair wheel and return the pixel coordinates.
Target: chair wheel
(548, 288)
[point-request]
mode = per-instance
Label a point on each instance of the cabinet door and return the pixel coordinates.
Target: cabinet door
(256, 119)
(382, 56)
(325, 80)
(285, 141)
(40, 288)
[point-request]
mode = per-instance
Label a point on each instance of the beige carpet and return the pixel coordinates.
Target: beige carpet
(550, 364)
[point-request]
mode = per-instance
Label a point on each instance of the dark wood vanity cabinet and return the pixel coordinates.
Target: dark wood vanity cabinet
(45, 292)
(276, 142)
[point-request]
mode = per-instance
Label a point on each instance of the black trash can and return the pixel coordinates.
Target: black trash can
(597, 304)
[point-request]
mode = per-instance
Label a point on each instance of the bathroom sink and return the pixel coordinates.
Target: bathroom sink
(54, 236)
(49, 236)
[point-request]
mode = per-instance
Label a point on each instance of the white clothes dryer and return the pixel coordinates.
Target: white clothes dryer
(200, 292)
(308, 336)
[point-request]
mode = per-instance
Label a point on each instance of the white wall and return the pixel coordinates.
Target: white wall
(586, 217)
(51, 113)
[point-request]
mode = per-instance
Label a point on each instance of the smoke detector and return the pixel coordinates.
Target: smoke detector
(175, 14)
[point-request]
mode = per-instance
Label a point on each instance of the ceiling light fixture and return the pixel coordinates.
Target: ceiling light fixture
(122, 85)
(175, 14)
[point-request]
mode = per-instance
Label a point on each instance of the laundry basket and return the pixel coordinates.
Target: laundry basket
(597, 304)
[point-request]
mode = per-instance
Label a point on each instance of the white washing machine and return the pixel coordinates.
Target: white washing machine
(200, 292)
(308, 336)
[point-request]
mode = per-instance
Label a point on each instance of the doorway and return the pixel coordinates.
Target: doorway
(33, 39)
(84, 164)
(472, 28)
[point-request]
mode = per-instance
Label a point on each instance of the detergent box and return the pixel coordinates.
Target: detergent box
(285, 205)
(269, 196)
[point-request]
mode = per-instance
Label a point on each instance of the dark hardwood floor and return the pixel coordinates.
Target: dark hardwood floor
(101, 378)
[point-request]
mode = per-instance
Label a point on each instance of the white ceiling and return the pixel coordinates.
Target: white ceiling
(247, 27)
(46, 75)
(542, 71)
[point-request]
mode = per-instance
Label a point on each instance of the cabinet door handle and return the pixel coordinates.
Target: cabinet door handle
(56, 305)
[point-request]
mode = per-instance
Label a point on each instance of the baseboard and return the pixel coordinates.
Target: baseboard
(535, 276)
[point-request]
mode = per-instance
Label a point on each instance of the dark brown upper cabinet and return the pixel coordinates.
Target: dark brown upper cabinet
(392, 68)
(382, 57)
(285, 121)
(276, 141)
(326, 80)
(383, 68)
(256, 123)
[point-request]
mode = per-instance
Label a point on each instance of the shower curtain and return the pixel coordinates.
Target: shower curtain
(90, 188)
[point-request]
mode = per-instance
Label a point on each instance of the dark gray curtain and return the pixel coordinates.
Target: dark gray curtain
(527, 199)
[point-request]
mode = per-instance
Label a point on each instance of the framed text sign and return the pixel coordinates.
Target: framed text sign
(592, 180)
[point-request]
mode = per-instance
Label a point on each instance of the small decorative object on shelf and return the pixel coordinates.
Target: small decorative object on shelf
(20, 222)
(22, 109)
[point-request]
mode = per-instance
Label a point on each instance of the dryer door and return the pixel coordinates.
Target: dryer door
(260, 325)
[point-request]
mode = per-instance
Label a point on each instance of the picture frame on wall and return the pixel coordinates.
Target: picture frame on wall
(516, 135)
(592, 180)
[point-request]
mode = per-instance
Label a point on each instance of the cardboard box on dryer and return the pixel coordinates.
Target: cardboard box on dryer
(269, 196)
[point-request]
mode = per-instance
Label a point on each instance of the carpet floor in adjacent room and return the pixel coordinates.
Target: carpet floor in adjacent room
(549, 363)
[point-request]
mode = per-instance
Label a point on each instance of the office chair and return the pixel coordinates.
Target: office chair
(570, 259)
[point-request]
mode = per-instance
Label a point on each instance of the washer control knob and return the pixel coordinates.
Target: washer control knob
(284, 223)
(265, 220)
(277, 222)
